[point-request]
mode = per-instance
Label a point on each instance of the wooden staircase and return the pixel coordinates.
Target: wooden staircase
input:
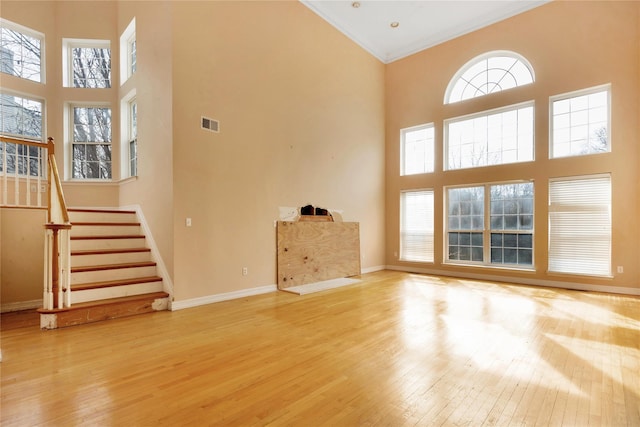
(112, 270)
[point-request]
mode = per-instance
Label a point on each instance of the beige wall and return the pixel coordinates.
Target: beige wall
(301, 110)
(571, 46)
(302, 117)
(21, 255)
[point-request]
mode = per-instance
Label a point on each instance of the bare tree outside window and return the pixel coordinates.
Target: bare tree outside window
(21, 117)
(91, 142)
(20, 53)
(91, 67)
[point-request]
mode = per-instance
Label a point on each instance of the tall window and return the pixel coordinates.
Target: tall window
(489, 73)
(416, 226)
(509, 213)
(465, 224)
(21, 51)
(87, 63)
(91, 145)
(21, 117)
(417, 146)
(490, 138)
(133, 138)
(128, 54)
(580, 225)
(580, 123)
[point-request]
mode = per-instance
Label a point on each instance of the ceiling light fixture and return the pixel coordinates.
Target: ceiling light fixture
(395, 24)
(355, 4)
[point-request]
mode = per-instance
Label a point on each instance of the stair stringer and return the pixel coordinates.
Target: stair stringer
(167, 283)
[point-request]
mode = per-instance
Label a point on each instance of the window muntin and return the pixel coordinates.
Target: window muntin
(580, 123)
(490, 138)
(87, 63)
(417, 145)
(21, 51)
(21, 117)
(580, 225)
(489, 73)
(508, 241)
(416, 226)
(91, 144)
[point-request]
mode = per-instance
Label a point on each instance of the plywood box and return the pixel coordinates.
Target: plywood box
(311, 252)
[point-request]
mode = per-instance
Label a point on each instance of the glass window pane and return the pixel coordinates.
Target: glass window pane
(20, 52)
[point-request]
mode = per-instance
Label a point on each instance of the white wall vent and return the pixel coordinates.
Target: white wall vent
(210, 124)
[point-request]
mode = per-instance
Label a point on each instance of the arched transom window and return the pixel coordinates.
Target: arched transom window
(488, 73)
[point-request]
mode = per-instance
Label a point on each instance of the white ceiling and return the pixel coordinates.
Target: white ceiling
(422, 24)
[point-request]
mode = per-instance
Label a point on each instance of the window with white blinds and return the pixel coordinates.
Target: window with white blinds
(416, 226)
(580, 225)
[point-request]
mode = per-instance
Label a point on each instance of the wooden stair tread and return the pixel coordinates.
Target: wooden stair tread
(111, 236)
(110, 301)
(108, 251)
(105, 223)
(112, 266)
(113, 283)
(100, 210)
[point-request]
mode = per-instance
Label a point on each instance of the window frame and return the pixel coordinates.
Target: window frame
(477, 60)
(5, 23)
(70, 141)
(487, 114)
(429, 228)
(128, 46)
(486, 231)
(576, 94)
(428, 144)
(68, 45)
(589, 193)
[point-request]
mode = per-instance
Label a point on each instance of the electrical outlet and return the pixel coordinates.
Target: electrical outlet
(188, 222)
(245, 271)
(620, 269)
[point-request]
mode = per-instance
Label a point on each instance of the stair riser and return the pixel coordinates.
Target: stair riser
(87, 244)
(102, 217)
(114, 292)
(104, 259)
(112, 274)
(104, 230)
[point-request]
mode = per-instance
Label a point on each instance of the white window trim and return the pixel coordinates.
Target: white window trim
(68, 141)
(128, 36)
(30, 97)
(67, 64)
(567, 95)
(125, 133)
(403, 133)
(31, 33)
(511, 107)
(432, 220)
(550, 210)
(473, 61)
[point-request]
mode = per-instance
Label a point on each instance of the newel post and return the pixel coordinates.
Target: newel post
(54, 288)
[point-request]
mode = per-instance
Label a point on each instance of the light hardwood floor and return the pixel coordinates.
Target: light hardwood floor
(396, 349)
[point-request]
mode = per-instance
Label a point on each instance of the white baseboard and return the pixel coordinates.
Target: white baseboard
(19, 306)
(372, 269)
(521, 280)
(210, 299)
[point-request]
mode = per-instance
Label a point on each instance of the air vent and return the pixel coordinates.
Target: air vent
(210, 124)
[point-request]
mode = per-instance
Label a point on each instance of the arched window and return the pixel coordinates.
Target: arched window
(488, 73)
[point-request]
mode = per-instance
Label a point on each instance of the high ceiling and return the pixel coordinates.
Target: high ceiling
(420, 24)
